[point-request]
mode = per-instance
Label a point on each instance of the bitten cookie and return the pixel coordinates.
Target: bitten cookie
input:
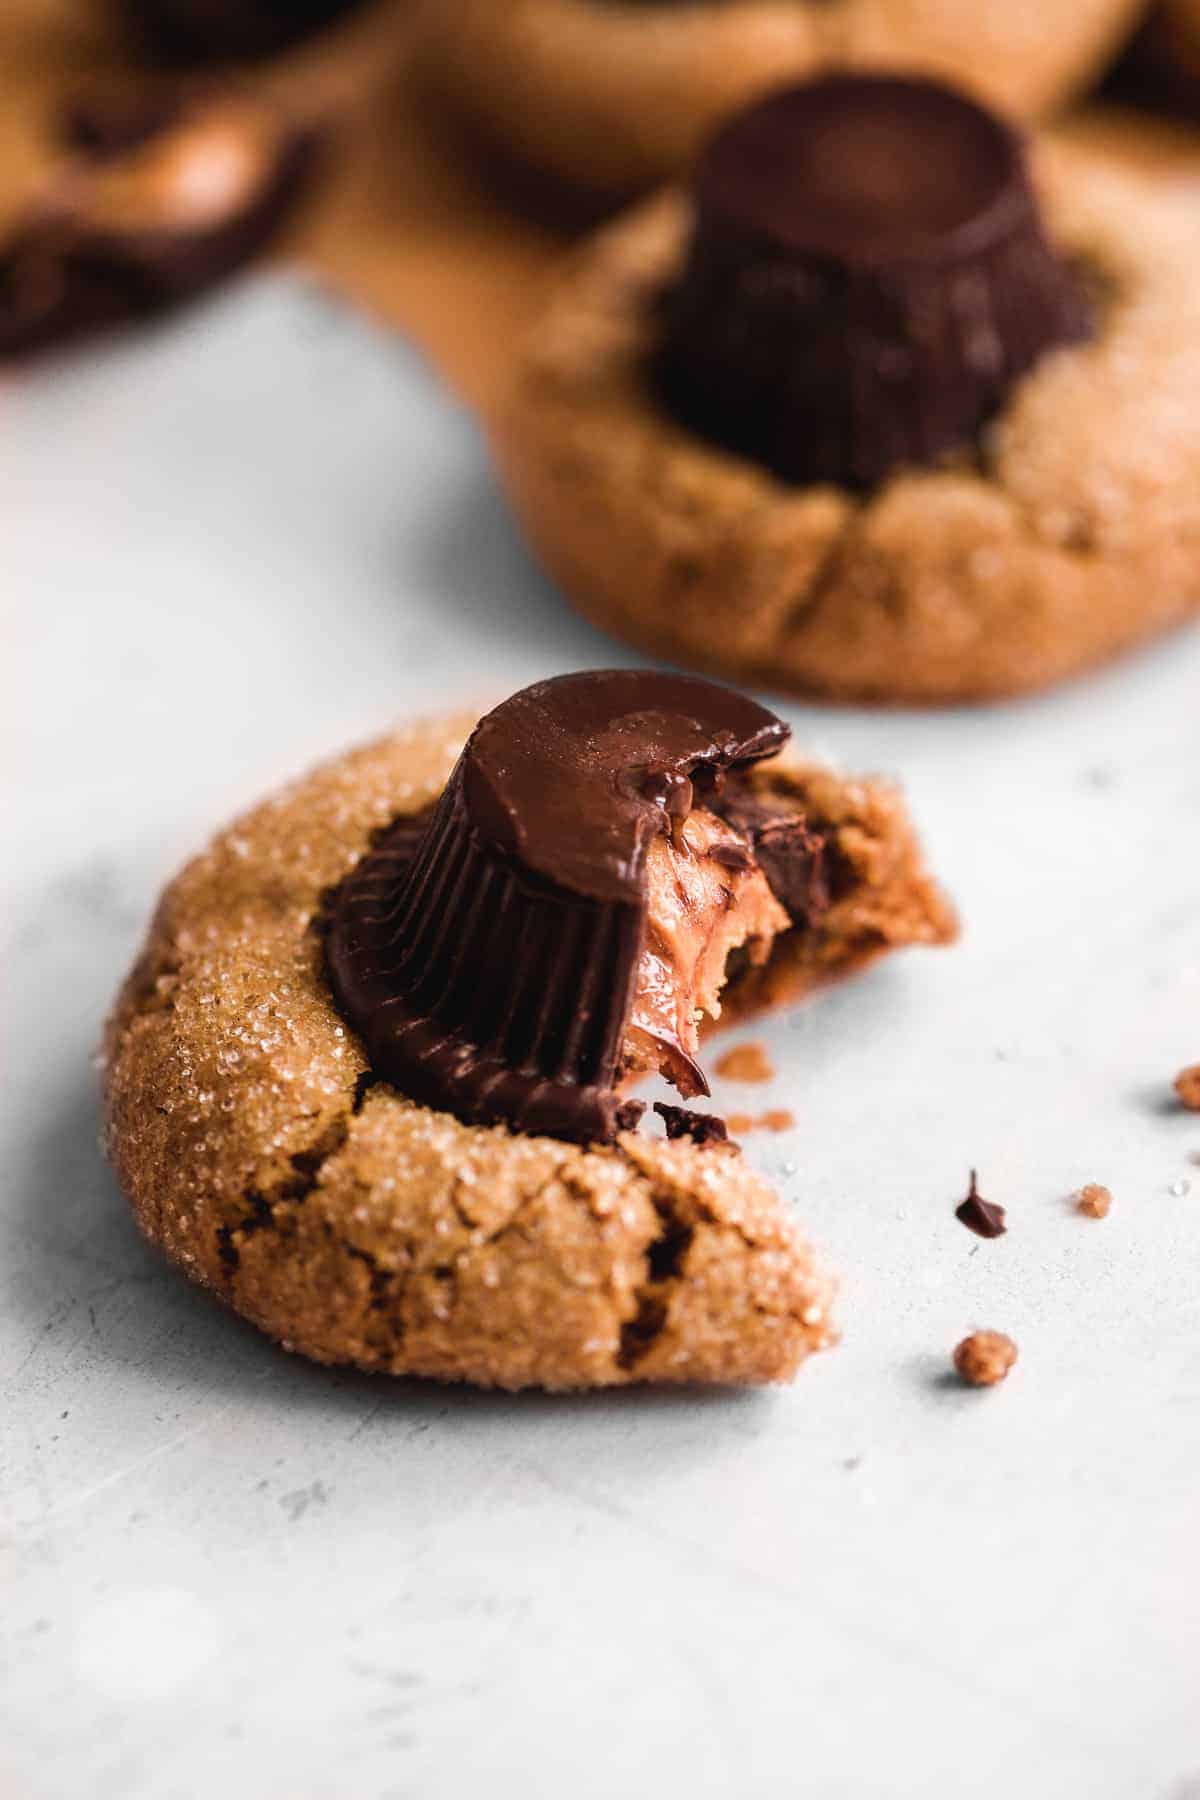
(618, 94)
(367, 1081)
(877, 411)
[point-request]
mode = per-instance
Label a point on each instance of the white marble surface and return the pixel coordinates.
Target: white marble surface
(228, 549)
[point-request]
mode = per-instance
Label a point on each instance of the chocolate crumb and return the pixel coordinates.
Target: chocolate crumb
(745, 1062)
(629, 1115)
(1187, 1086)
(1094, 1201)
(985, 1358)
(981, 1216)
(681, 1122)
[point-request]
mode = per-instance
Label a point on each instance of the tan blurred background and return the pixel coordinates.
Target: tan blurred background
(409, 218)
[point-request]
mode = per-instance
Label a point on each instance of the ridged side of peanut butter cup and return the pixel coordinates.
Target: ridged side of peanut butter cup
(867, 278)
(487, 952)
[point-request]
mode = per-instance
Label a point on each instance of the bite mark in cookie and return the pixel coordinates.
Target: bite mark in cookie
(700, 907)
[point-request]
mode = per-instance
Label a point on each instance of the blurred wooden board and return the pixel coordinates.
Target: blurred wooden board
(407, 221)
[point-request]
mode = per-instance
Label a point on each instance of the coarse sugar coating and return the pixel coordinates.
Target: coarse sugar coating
(355, 1226)
(1071, 536)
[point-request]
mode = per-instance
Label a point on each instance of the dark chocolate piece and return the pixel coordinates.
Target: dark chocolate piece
(866, 280)
(981, 1216)
(732, 856)
(702, 1128)
(487, 956)
(159, 202)
(790, 854)
(629, 1115)
(217, 29)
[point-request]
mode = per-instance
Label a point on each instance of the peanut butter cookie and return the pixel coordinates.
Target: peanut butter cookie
(863, 417)
(367, 1081)
(619, 94)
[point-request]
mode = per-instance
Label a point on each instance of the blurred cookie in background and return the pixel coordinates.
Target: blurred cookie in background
(228, 29)
(1162, 69)
(614, 95)
(157, 193)
(887, 406)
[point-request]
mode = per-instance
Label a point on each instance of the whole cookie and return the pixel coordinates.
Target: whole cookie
(1066, 532)
(261, 1152)
(618, 94)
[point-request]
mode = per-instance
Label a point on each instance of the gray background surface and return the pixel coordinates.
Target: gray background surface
(224, 552)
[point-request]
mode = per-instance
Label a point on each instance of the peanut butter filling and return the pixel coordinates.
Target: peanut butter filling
(705, 897)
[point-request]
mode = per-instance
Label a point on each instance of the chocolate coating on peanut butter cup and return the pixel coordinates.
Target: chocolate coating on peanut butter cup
(218, 29)
(486, 951)
(867, 278)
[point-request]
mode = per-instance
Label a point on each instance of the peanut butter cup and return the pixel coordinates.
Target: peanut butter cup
(866, 280)
(561, 919)
(228, 28)
(161, 197)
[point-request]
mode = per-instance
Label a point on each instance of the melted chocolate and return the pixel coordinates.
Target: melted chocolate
(682, 1122)
(162, 197)
(866, 280)
(487, 954)
(790, 854)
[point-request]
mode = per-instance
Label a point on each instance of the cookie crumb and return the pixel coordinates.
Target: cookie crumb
(1187, 1086)
(702, 1128)
(776, 1120)
(745, 1062)
(984, 1358)
(628, 1115)
(981, 1216)
(1094, 1201)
